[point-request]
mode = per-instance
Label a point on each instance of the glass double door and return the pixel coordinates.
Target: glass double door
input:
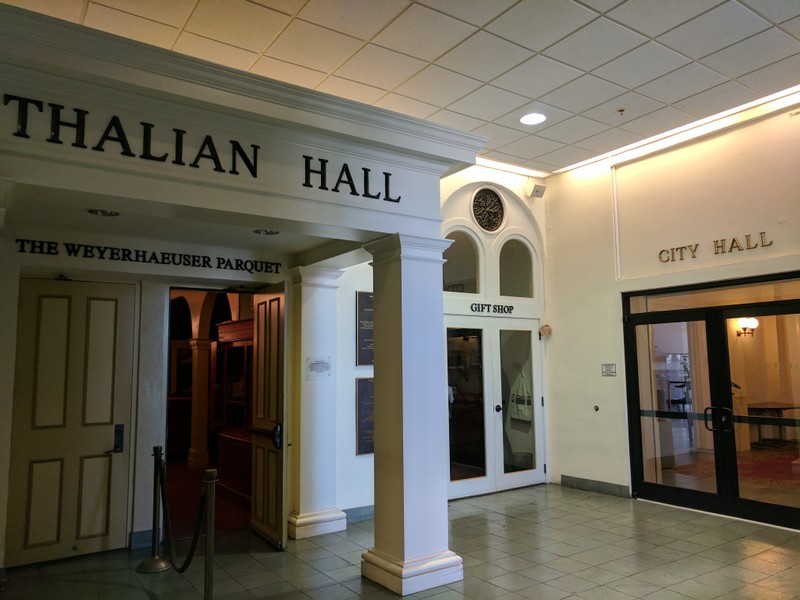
(495, 409)
(717, 426)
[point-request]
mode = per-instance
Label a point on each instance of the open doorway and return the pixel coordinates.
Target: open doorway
(209, 405)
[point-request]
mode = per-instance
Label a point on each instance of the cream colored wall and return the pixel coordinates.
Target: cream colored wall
(741, 181)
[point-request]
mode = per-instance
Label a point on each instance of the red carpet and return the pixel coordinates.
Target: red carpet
(770, 463)
(184, 488)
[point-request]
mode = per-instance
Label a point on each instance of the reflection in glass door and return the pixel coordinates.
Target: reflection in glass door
(465, 400)
(674, 401)
(764, 357)
(518, 402)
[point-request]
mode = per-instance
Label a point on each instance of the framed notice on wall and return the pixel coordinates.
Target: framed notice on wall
(364, 329)
(365, 417)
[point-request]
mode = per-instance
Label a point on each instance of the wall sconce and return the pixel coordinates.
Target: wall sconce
(747, 325)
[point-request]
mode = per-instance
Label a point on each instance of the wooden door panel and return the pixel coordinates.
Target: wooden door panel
(268, 481)
(73, 385)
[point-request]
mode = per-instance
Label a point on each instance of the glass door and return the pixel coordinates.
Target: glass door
(677, 449)
(764, 368)
(495, 409)
(717, 426)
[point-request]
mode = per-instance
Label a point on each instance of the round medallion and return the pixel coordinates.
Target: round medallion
(487, 207)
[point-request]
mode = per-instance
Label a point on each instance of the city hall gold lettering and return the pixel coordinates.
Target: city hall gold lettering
(719, 246)
(146, 141)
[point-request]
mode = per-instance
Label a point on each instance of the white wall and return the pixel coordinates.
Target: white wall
(741, 181)
(355, 474)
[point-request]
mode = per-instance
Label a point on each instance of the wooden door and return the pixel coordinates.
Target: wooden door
(70, 437)
(268, 505)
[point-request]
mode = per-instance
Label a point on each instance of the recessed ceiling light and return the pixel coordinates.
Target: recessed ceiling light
(266, 231)
(533, 119)
(102, 212)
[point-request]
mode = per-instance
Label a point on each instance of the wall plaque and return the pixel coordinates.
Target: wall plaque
(365, 417)
(364, 328)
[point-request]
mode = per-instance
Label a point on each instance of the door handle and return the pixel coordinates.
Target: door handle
(498, 408)
(276, 436)
(119, 439)
(706, 414)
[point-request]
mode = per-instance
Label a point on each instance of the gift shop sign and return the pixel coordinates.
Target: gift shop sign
(175, 147)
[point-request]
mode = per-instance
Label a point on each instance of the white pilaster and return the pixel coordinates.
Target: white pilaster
(201, 359)
(314, 499)
(411, 442)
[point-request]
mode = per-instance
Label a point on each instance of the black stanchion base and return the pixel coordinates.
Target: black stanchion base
(154, 565)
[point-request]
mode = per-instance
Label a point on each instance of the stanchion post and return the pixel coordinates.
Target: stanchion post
(210, 483)
(155, 564)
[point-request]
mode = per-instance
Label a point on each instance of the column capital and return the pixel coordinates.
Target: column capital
(392, 247)
(316, 276)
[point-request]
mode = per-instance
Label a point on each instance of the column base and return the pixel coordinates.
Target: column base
(316, 523)
(413, 575)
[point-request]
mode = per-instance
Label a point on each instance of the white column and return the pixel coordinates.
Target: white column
(314, 498)
(411, 440)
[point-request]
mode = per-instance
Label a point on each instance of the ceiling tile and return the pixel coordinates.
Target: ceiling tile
(406, 106)
(174, 12)
(566, 156)
(609, 140)
(583, 93)
(641, 65)
(714, 30)
(573, 129)
(476, 12)
(662, 120)
(601, 5)
(423, 33)
(448, 118)
(774, 78)
(536, 77)
(488, 103)
(502, 157)
(776, 11)
(654, 17)
(283, 71)
(554, 115)
(312, 46)
(536, 24)
(438, 86)
(217, 52)
(380, 67)
(287, 7)
(753, 53)
(126, 24)
(66, 10)
(237, 23)
(360, 19)
(498, 135)
(632, 104)
(716, 100)
(597, 43)
(531, 146)
(484, 56)
(792, 27)
(681, 83)
(352, 90)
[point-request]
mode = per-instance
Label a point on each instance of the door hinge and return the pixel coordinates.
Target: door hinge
(626, 319)
(545, 468)
(542, 401)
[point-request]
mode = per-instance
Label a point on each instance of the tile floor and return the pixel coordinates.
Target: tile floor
(538, 543)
